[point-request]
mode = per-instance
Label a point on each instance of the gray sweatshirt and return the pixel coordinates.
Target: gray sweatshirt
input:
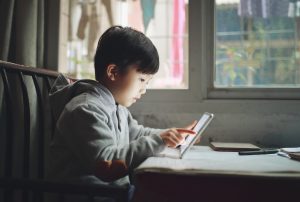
(91, 127)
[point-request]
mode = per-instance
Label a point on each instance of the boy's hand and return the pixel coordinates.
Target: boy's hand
(109, 171)
(191, 127)
(175, 136)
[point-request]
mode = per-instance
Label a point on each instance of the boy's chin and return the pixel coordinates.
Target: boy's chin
(126, 104)
(129, 104)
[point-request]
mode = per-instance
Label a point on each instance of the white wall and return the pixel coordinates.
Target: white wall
(267, 123)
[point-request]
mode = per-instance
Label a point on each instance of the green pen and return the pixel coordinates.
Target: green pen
(262, 151)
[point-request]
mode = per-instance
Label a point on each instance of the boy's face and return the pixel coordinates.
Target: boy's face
(128, 87)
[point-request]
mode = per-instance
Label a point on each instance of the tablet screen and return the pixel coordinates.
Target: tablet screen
(199, 128)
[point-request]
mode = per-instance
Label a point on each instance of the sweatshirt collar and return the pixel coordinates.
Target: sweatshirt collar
(106, 94)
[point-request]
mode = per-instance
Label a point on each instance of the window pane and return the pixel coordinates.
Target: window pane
(257, 43)
(163, 21)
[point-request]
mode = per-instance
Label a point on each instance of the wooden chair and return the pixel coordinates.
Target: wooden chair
(26, 127)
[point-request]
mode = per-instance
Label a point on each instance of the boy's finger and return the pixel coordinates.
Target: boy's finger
(171, 142)
(176, 136)
(183, 130)
(192, 125)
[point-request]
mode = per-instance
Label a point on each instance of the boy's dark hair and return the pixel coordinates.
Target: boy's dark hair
(124, 46)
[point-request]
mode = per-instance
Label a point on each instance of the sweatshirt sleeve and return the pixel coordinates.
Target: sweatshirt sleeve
(136, 131)
(88, 135)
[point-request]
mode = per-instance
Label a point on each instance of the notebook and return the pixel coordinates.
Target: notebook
(180, 151)
(232, 146)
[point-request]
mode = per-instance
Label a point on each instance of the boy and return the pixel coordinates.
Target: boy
(96, 140)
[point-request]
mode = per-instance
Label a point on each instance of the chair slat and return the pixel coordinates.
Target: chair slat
(41, 128)
(26, 154)
(26, 157)
(10, 125)
(8, 193)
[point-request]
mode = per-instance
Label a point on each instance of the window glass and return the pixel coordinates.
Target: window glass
(257, 43)
(163, 21)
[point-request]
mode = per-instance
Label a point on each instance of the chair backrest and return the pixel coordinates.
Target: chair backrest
(25, 120)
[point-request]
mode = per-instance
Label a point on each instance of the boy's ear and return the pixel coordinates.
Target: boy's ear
(112, 71)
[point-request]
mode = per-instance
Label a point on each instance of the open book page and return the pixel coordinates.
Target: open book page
(170, 152)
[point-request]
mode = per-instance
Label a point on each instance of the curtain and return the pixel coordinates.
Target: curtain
(148, 7)
(177, 40)
(22, 32)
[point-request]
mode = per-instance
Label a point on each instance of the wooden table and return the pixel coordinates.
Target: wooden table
(206, 175)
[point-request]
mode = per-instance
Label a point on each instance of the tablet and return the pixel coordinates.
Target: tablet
(180, 151)
(199, 129)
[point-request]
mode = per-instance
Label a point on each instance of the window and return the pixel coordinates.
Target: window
(257, 44)
(165, 22)
(255, 49)
(227, 54)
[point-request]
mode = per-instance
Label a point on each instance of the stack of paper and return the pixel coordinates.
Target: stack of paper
(292, 152)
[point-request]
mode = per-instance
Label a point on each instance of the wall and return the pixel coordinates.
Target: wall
(267, 123)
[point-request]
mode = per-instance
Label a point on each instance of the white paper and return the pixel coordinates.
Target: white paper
(291, 149)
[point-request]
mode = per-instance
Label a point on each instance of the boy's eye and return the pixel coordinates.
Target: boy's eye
(142, 80)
